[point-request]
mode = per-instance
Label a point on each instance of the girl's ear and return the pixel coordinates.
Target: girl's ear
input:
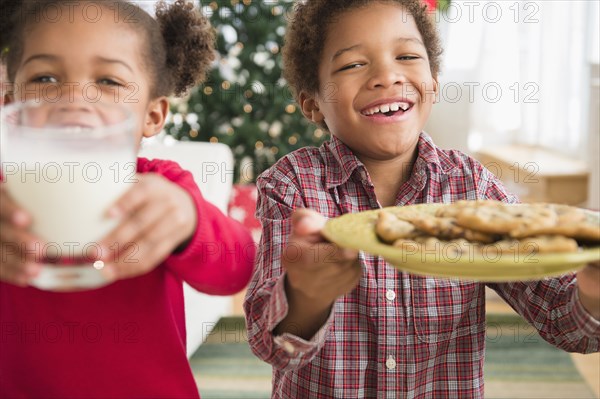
(156, 115)
(7, 99)
(310, 108)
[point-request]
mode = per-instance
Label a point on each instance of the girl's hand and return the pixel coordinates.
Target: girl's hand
(20, 251)
(588, 284)
(157, 216)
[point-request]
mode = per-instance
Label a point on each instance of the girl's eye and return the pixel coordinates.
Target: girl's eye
(406, 57)
(45, 79)
(109, 82)
(351, 66)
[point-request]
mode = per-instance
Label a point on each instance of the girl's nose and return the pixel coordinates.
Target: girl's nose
(77, 105)
(79, 92)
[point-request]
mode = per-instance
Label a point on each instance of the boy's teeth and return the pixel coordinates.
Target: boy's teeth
(387, 108)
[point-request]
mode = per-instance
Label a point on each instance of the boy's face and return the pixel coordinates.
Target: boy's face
(72, 60)
(375, 84)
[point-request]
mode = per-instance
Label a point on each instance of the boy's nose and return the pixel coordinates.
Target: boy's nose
(385, 75)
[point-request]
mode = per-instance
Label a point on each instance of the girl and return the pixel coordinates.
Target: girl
(126, 339)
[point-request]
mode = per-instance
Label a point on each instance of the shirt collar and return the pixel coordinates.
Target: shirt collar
(432, 157)
(341, 162)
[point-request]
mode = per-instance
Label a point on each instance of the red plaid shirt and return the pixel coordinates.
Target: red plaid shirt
(396, 335)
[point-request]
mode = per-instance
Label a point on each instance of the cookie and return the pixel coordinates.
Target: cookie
(390, 228)
(570, 221)
(446, 228)
(498, 218)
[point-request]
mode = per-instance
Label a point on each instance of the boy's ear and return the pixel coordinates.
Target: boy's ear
(436, 88)
(310, 107)
(156, 115)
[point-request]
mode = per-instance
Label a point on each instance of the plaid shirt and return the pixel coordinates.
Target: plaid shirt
(396, 335)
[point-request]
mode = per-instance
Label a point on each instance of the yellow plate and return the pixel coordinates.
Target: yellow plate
(357, 231)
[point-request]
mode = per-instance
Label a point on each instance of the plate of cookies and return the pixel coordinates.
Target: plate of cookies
(475, 240)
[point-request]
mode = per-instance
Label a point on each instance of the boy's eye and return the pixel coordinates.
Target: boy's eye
(351, 66)
(44, 79)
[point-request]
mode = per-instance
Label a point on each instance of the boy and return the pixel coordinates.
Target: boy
(337, 324)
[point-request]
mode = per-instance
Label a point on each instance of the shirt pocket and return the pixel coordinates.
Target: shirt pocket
(446, 309)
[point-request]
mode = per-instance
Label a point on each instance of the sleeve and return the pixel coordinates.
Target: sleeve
(551, 305)
(266, 304)
(219, 258)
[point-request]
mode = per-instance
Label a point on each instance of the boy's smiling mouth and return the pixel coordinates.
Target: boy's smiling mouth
(387, 108)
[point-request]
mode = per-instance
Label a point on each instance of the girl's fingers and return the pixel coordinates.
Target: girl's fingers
(149, 251)
(134, 226)
(133, 198)
(18, 241)
(15, 271)
(11, 213)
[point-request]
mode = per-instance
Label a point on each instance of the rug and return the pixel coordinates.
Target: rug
(519, 364)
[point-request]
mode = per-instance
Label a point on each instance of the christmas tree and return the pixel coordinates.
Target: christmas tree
(245, 102)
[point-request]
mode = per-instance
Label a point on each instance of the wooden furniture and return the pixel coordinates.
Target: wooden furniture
(537, 174)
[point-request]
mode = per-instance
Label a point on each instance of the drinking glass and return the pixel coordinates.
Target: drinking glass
(66, 164)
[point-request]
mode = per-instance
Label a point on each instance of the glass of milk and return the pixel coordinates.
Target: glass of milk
(66, 164)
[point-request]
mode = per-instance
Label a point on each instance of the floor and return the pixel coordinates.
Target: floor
(588, 365)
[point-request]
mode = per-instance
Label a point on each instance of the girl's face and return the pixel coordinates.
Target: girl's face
(80, 60)
(376, 88)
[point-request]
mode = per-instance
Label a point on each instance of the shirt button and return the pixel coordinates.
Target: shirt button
(390, 363)
(390, 295)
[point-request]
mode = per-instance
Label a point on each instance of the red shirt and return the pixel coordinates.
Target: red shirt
(396, 335)
(125, 340)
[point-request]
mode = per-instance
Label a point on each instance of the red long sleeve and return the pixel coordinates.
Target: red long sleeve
(219, 258)
(127, 339)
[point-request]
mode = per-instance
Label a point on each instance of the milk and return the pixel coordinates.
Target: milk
(66, 164)
(68, 193)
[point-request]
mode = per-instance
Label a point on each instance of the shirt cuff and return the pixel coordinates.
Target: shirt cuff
(292, 344)
(584, 321)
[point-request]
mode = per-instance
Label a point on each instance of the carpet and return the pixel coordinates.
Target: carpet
(519, 364)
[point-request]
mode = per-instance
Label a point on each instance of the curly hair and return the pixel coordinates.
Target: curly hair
(307, 29)
(178, 45)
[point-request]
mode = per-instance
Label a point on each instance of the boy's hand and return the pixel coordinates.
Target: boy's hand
(318, 272)
(588, 284)
(316, 268)
(20, 251)
(157, 216)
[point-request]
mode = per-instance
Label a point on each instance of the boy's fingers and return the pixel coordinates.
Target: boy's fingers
(314, 256)
(307, 223)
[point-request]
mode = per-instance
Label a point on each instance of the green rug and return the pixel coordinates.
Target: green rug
(519, 364)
